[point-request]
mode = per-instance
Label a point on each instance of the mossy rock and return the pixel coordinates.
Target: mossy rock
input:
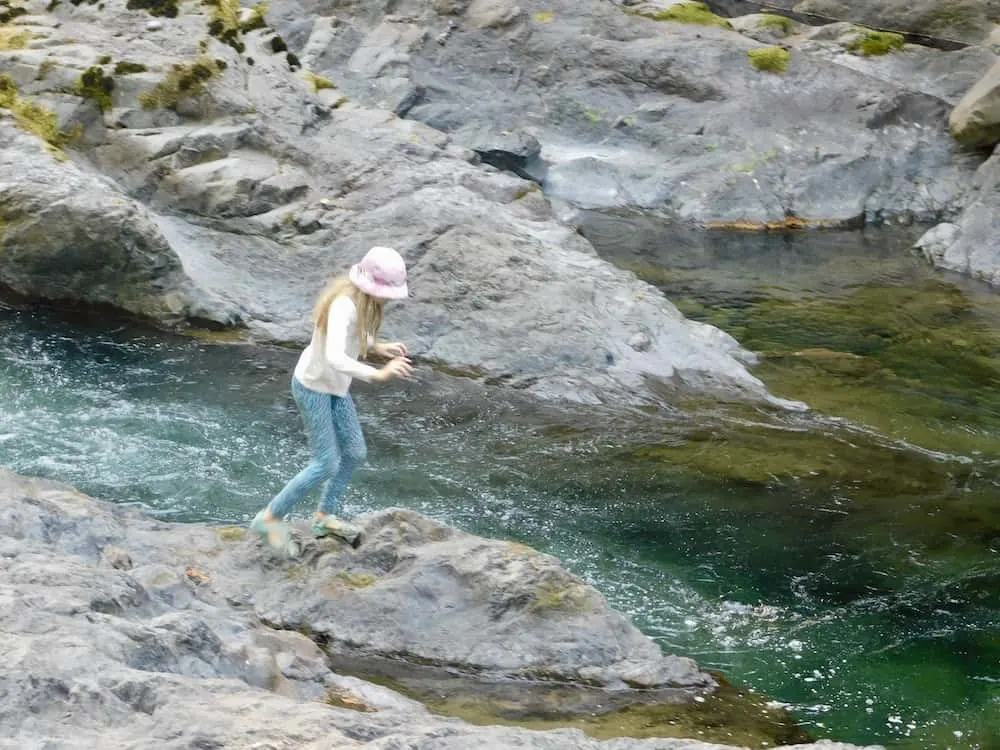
(14, 39)
(876, 43)
(774, 22)
(231, 533)
(257, 19)
(319, 82)
(691, 12)
(356, 580)
(164, 8)
(770, 59)
(572, 598)
(182, 82)
(32, 117)
(94, 85)
(225, 24)
(9, 12)
(124, 68)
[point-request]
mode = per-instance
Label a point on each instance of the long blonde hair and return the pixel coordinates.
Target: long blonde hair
(369, 309)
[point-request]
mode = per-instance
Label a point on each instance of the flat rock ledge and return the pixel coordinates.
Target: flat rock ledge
(122, 631)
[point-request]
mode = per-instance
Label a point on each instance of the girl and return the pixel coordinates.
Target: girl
(346, 321)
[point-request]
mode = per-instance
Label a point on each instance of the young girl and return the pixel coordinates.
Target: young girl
(346, 321)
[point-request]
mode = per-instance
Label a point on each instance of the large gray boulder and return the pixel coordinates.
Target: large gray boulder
(963, 21)
(632, 112)
(971, 244)
(975, 120)
(121, 631)
(249, 182)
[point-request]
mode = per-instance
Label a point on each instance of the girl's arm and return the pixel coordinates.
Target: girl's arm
(342, 314)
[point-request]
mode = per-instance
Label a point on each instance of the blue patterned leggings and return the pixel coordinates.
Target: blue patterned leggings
(338, 449)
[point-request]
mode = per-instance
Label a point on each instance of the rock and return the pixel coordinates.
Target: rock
(971, 245)
(493, 14)
(765, 27)
(96, 657)
(516, 151)
(975, 120)
(221, 197)
(935, 241)
(670, 117)
(961, 21)
(68, 235)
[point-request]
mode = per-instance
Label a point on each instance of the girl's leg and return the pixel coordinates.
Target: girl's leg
(318, 416)
(353, 451)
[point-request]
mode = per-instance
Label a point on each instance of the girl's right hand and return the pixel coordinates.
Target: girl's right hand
(397, 367)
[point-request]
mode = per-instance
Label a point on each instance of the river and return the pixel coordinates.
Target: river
(843, 562)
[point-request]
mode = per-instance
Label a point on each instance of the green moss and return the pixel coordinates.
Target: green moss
(165, 8)
(776, 23)
(11, 39)
(691, 12)
(770, 59)
(31, 117)
(45, 68)
(93, 84)
(571, 598)
(319, 82)
(874, 43)
(277, 44)
(104, 60)
(544, 16)
(231, 533)
(257, 19)
(526, 191)
(225, 23)
(182, 82)
(728, 716)
(124, 68)
(356, 580)
(9, 12)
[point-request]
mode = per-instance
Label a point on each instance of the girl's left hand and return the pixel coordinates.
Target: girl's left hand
(390, 349)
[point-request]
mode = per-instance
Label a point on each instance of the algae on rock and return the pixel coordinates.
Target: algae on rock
(319, 82)
(165, 8)
(770, 59)
(690, 12)
(94, 85)
(13, 39)
(873, 43)
(31, 116)
(182, 82)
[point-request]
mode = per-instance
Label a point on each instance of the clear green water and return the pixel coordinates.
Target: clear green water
(844, 562)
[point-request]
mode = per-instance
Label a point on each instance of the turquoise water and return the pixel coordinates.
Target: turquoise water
(830, 596)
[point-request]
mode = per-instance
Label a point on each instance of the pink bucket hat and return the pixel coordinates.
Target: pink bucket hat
(381, 273)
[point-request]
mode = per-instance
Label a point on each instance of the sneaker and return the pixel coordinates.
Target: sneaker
(332, 526)
(278, 535)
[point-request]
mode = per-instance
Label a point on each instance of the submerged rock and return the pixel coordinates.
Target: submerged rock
(120, 629)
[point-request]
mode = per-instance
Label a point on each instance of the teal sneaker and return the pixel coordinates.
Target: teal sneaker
(332, 526)
(278, 535)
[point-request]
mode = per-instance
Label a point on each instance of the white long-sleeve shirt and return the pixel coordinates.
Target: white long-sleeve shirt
(330, 362)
